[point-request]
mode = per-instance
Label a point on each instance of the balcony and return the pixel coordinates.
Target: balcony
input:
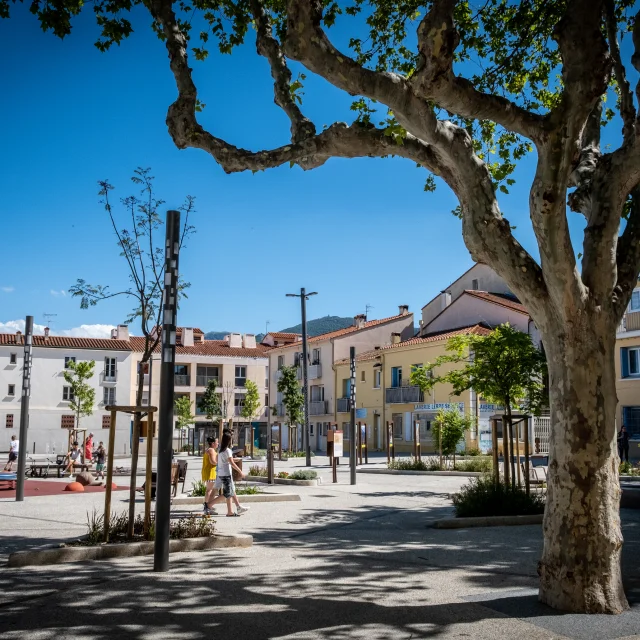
(203, 381)
(403, 395)
(343, 405)
(318, 408)
(280, 410)
(314, 371)
(108, 379)
(182, 380)
(630, 322)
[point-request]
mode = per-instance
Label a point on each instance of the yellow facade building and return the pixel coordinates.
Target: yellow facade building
(384, 393)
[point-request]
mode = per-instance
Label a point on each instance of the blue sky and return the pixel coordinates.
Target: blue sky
(357, 231)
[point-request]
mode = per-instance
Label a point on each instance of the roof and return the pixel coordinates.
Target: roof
(499, 298)
(64, 342)
(217, 348)
(476, 329)
(338, 333)
(471, 268)
(279, 335)
(196, 331)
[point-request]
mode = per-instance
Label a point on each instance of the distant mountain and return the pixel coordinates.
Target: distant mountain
(322, 325)
(216, 335)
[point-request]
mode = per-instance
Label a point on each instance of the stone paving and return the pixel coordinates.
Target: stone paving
(344, 562)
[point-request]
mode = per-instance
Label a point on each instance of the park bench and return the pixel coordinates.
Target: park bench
(175, 478)
(9, 477)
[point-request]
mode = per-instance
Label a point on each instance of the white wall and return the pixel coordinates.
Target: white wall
(46, 404)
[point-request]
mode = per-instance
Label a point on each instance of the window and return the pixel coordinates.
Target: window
(13, 358)
(110, 369)
(241, 376)
(238, 401)
(396, 377)
(346, 426)
(630, 361)
(315, 356)
(425, 420)
(145, 367)
(11, 390)
(363, 377)
(296, 359)
(67, 394)
(346, 387)
(414, 367)
(206, 374)
(67, 422)
(67, 360)
(311, 428)
(266, 400)
(266, 377)
(397, 426)
(9, 421)
(377, 376)
(634, 304)
(317, 393)
(474, 285)
(631, 420)
(280, 362)
(109, 396)
(106, 421)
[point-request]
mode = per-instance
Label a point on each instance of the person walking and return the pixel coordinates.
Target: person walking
(224, 478)
(623, 444)
(101, 458)
(88, 449)
(209, 463)
(14, 448)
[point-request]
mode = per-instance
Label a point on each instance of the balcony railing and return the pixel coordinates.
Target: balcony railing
(318, 408)
(630, 321)
(343, 405)
(280, 410)
(181, 380)
(403, 395)
(109, 377)
(203, 381)
(314, 371)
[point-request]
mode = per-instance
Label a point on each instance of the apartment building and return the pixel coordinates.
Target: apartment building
(50, 418)
(628, 372)
(384, 392)
(231, 362)
(323, 351)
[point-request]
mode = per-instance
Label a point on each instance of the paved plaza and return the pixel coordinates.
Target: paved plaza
(344, 562)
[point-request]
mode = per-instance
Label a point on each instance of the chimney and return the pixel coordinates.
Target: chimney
(249, 341)
(377, 347)
(18, 337)
(46, 333)
(359, 320)
(235, 341)
(395, 338)
(403, 309)
(187, 337)
(122, 332)
(445, 300)
(114, 334)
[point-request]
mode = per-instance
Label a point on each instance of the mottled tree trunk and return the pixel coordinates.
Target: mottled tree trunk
(135, 449)
(580, 565)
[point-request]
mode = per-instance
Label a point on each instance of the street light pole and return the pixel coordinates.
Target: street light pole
(353, 454)
(304, 296)
(24, 409)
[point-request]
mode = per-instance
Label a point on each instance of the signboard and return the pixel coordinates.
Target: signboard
(439, 405)
(338, 451)
(361, 414)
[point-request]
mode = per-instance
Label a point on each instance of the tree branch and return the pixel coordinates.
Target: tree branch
(628, 257)
(269, 47)
(435, 80)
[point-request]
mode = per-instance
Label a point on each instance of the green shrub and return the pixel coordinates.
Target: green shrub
(474, 451)
(198, 488)
(627, 469)
(482, 464)
(302, 474)
(282, 474)
(256, 452)
(484, 496)
(256, 470)
(248, 490)
(411, 464)
(296, 454)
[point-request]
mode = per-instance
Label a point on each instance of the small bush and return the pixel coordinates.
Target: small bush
(248, 490)
(256, 470)
(198, 488)
(627, 469)
(485, 497)
(411, 464)
(258, 453)
(282, 474)
(472, 452)
(302, 474)
(296, 454)
(478, 464)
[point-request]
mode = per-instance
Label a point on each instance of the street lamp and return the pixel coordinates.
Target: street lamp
(304, 296)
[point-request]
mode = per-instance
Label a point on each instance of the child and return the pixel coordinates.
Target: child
(101, 457)
(224, 479)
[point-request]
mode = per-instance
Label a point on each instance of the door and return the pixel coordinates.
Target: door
(377, 433)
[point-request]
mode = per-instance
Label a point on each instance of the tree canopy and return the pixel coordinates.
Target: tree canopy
(83, 395)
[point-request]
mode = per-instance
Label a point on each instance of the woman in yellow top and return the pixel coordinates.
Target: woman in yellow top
(209, 463)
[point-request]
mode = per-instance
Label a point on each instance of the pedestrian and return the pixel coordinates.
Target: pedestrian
(14, 447)
(73, 456)
(88, 449)
(623, 444)
(209, 463)
(101, 458)
(224, 479)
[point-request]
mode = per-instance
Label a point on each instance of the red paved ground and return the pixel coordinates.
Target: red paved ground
(47, 488)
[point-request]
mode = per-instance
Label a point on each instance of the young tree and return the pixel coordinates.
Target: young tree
(141, 245)
(252, 403)
(228, 406)
(210, 403)
(448, 430)
(84, 395)
(292, 397)
(539, 74)
(183, 415)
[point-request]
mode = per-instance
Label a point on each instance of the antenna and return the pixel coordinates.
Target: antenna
(366, 309)
(266, 328)
(47, 318)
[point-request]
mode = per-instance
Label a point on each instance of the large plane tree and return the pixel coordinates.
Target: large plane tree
(465, 89)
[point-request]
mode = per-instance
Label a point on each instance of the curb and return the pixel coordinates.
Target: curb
(60, 555)
(257, 497)
(298, 483)
(398, 472)
(487, 521)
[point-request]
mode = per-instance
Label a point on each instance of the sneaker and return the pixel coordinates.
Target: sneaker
(242, 510)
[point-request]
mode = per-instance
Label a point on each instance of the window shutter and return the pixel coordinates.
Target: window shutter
(624, 362)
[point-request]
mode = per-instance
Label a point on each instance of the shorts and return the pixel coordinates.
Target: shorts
(13, 456)
(226, 484)
(100, 466)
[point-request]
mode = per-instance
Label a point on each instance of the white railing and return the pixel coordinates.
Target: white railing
(541, 434)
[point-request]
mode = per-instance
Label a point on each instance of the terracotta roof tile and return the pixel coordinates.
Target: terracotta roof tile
(216, 348)
(496, 298)
(476, 329)
(284, 336)
(64, 342)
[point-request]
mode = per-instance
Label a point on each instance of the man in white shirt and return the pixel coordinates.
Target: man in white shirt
(14, 447)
